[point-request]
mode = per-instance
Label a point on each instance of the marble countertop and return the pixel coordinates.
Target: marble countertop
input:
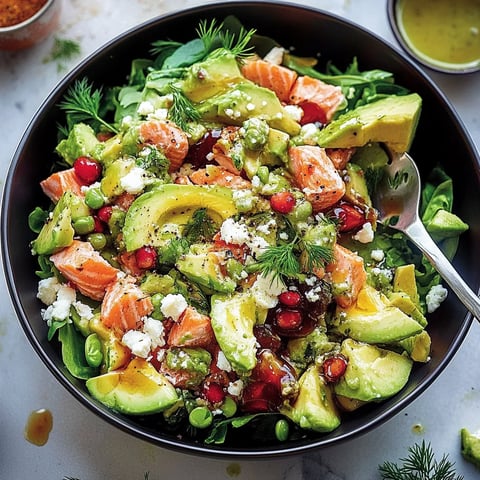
(80, 446)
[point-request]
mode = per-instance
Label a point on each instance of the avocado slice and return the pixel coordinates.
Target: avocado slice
(418, 346)
(137, 390)
(246, 100)
(373, 373)
(233, 318)
(203, 267)
(81, 141)
(405, 281)
(356, 190)
(391, 120)
(470, 446)
(58, 232)
(176, 204)
(314, 408)
(372, 319)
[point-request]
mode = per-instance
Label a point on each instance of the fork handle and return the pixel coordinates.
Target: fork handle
(422, 239)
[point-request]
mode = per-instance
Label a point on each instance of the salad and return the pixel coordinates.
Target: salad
(210, 259)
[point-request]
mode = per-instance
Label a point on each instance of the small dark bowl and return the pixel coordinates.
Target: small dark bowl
(441, 137)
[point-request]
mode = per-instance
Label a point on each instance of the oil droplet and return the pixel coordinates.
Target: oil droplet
(234, 470)
(38, 427)
(418, 428)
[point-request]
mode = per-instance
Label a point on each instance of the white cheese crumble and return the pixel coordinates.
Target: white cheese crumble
(134, 181)
(294, 111)
(223, 363)
(60, 308)
(47, 290)
(145, 108)
(275, 55)
(138, 342)
(173, 305)
(365, 234)
(435, 296)
(154, 329)
(266, 290)
(235, 388)
(377, 255)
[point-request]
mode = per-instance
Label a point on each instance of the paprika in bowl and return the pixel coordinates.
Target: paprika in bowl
(23, 23)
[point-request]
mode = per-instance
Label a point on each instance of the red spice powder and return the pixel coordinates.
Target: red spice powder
(17, 11)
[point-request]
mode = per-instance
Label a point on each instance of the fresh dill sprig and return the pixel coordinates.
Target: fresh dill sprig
(209, 33)
(182, 110)
(420, 464)
(63, 49)
(162, 46)
(238, 44)
(279, 261)
(200, 228)
(81, 104)
(316, 255)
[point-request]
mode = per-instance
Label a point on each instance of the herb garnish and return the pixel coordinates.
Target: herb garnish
(82, 104)
(182, 110)
(200, 228)
(420, 465)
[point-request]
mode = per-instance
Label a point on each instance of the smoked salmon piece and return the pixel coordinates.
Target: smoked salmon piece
(124, 304)
(213, 175)
(275, 77)
(60, 182)
(168, 138)
(193, 329)
(311, 90)
(315, 174)
(347, 270)
(221, 149)
(82, 265)
(340, 156)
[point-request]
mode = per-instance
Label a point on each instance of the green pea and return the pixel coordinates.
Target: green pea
(200, 417)
(94, 198)
(229, 407)
(157, 299)
(84, 225)
(98, 240)
(93, 350)
(263, 174)
(281, 430)
(301, 212)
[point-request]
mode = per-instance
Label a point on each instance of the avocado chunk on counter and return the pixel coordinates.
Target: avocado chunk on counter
(173, 204)
(204, 267)
(391, 120)
(58, 231)
(136, 390)
(314, 408)
(81, 141)
(233, 318)
(246, 100)
(373, 319)
(373, 373)
(470, 446)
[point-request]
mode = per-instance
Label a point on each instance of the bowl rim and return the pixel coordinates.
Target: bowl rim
(123, 422)
(441, 67)
(36, 16)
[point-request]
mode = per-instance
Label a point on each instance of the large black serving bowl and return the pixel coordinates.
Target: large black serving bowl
(440, 138)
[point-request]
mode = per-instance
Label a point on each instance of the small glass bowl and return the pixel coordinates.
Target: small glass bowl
(420, 57)
(32, 30)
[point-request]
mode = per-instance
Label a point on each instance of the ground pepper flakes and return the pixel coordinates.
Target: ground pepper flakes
(13, 12)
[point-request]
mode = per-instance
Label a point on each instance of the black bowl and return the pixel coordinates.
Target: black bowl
(440, 138)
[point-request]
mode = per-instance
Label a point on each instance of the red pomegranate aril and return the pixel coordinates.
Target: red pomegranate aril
(287, 319)
(99, 225)
(312, 113)
(350, 217)
(260, 396)
(334, 367)
(87, 169)
(146, 257)
(105, 213)
(290, 298)
(198, 152)
(282, 202)
(214, 392)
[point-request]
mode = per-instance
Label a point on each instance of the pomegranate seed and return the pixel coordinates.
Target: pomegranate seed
(334, 367)
(87, 169)
(287, 319)
(290, 298)
(213, 392)
(105, 213)
(350, 217)
(282, 202)
(99, 225)
(146, 257)
(260, 397)
(198, 152)
(312, 112)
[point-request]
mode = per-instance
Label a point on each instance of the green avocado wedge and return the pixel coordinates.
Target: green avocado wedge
(173, 204)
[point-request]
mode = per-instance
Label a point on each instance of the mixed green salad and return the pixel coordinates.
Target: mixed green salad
(211, 258)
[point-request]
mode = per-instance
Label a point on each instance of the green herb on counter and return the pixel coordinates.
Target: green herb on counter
(63, 49)
(420, 464)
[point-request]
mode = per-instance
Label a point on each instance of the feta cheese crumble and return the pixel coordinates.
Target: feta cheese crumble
(266, 290)
(435, 296)
(173, 305)
(365, 234)
(134, 181)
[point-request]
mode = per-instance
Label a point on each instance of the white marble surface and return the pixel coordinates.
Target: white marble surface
(83, 447)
